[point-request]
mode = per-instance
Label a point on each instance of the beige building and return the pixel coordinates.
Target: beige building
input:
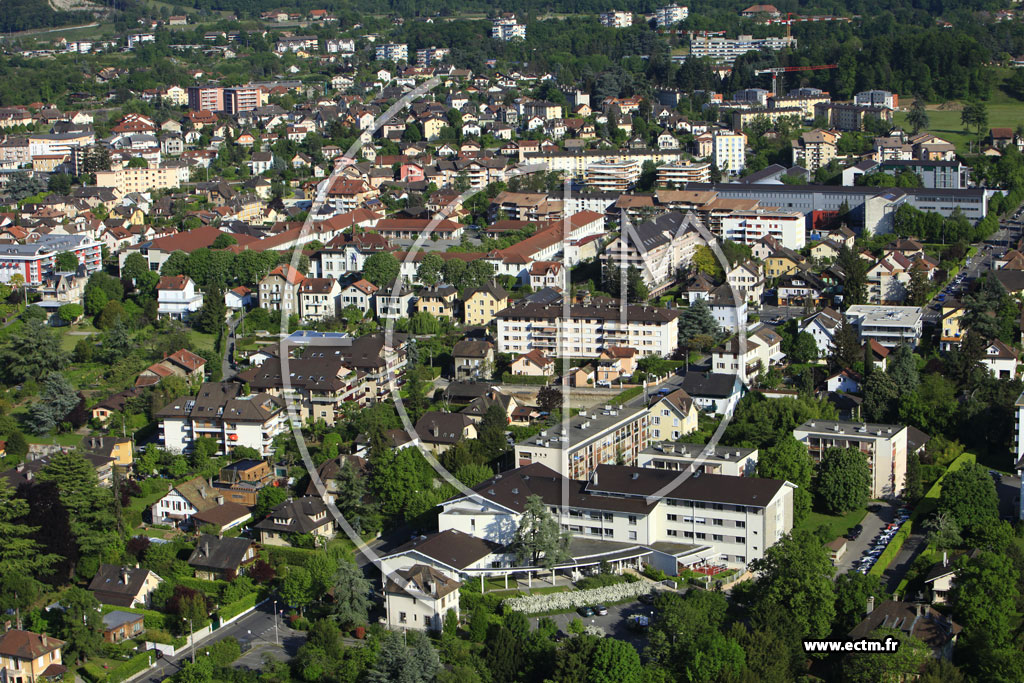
(27, 657)
(483, 303)
(420, 597)
(815, 149)
(128, 180)
(672, 417)
(885, 447)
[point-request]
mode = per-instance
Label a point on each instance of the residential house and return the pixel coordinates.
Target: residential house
(533, 364)
(746, 277)
(473, 359)
(615, 363)
(218, 558)
(440, 431)
(822, 326)
(917, 620)
(394, 300)
(124, 586)
(482, 304)
(439, 301)
(359, 294)
(712, 391)
(279, 290)
(308, 515)
(177, 297)
(222, 517)
(420, 597)
(1000, 360)
(672, 417)
(184, 500)
(319, 298)
(27, 657)
(119, 626)
(115, 448)
(238, 298)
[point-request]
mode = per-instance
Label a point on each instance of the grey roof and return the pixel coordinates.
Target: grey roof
(709, 384)
(212, 552)
(112, 620)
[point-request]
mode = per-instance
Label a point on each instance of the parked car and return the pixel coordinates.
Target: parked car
(648, 598)
(585, 611)
(855, 532)
(600, 610)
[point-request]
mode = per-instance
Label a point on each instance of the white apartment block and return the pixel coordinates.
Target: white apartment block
(885, 447)
(598, 436)
(890, 326)
(140, 180)
(575, 164)
(37, 261)
(589, 329)
(613, 176)
(730, 461)
(221, 412)
(675, 523)
(507, 28)
(673, 14)
(877, 98)
(615, 19)
(682, 172)
(730, 151)
(748, 227)
(392, 52)
(726, 50)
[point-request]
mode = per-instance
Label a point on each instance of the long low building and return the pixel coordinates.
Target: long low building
(588, 329)
(874, 206)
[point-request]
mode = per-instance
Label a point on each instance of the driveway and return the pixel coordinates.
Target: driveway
(613, 623)
(873, 523)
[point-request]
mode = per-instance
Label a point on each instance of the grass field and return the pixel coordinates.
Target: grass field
(946, 123)
(837, 525)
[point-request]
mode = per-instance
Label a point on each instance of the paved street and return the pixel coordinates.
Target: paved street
(257, 628)
(769, 313)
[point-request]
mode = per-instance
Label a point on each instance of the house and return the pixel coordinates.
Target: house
(394, 301)
(822, 326)
(123, 586)
(119, 449)
(615, 363)
(185, 500)
(119, 626)
(533, 364)
(473, 359)
(746, 277)
(712, 391)
(238, 298)
(730, 461)
(319, 298)
(439, 301)
(440, 431)
(420, 597)
(884, 446)
(729, 313)
(359, 294)
(182, 363)
(672, 417)
(846, 381)
(483, 303)
(222, 517)
(939, 579)
(216, 558)
(308, 515)
(279, 290)
(177, 297)
(27, 657)
(1000, 360)
(918, 620)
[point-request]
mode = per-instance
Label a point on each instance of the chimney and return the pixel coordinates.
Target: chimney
(871, 604)
(595, 477)
(124, 575)
(206, 548)
(945, 559)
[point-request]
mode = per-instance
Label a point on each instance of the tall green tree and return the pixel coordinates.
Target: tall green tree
(794, 586)
(381, 268)
(296, 588)
(843, 481)
(31, 352)
(695, 322)
(406, 657)
(21, 556)
(89, 506)
(985, 594)
(905, 663)
(788, 460)
(969, 497)
(539, 541)
(846, 348)
(917, 117)
(57, 400)
(81, 624)
(351, 605)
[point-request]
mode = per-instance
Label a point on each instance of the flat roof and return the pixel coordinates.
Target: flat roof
(885, 315)
(861, 430)
(587, 426)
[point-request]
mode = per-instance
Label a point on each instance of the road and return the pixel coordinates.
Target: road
(255, 628)
(225, 363)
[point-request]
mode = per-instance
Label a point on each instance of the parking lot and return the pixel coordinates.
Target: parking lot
(873, 527)
(614, 623)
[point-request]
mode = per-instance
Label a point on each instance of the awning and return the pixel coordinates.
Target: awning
(776, 357)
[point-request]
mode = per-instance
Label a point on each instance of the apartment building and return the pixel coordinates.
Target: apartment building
(730, 151)
(659, 247)
(885, 447)
(615, 19)
(37, 262)
(890, 326)
(747, 227)
(803, 99)
(575, 163)
(683, 172)
(127, 180)
(672, 521)
(177, 297)
(279, 290)
(206, 98)
(598, 436)
(506, 27)
(877, 98)
(392, 52)
(743, 118)
(58, 144)
(317, 387)
(380, 359)
(670, 15)
(850, 116)
(815, 149)
(725, 50)
(241, 99)
(613, 176)
(221, 411)
(731, 461)
(588, 330)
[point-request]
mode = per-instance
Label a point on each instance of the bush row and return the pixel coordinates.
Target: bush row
(566, 602)
(238, 606)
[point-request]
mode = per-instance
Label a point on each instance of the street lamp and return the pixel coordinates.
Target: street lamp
(191, 637)
(277, 640)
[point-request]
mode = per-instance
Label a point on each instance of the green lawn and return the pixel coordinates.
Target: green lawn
(71, 439)
(946, 123)
(837, 525)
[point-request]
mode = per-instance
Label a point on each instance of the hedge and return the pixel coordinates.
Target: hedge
(509, 378)
(211, 588)
(891, 550)
(238, 606)
(632, 392)
(278, 554)
(139, 662)
(92, 672)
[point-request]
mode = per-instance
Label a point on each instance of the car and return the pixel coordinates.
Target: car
(855, 532)
(603, 383)
(600, 610)
(585, 611)
(647, 598)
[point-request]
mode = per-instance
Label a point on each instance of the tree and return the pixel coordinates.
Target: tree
(843, 480)
(549, 399)
(903, 369)
(67, 262)
(268, 498)
(919, 292)
(538, 540)
(31, 352)
(21, 555)
(381, 268)
(296, 588)
(905, 663)
(351, 490)
(89, 507)
(788, 460)
(705, 261)
(69, 313)
(917, 117)
(944, 532)
(804, 348)
(615, 661)
(881, 395)
(351, 595)
(415, 662)
(696, 322)
(429, 271)
(81, 624)
(794, 586)
(57, 400)
(636, 287)
(913, 487)
(111, 314)
(969, 498)
(846, 349)
(210, 318)
(852, 592)
(223, 241)
(986, 590)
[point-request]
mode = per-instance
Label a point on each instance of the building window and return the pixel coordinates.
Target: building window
(401, 618)
(632, 535)
(632, 519)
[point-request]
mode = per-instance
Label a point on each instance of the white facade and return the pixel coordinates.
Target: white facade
(392, 52)
(726, 50)
(179, 304)
(876, 98)
(506, 28)
(673, 14)
(617, 19)
(747, 227)
(890, 326)
(885, 447)
(730, 150)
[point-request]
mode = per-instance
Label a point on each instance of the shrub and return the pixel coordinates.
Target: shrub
(602, 580)
(128, 669)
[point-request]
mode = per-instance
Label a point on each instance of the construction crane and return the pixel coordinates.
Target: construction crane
(775, 71)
